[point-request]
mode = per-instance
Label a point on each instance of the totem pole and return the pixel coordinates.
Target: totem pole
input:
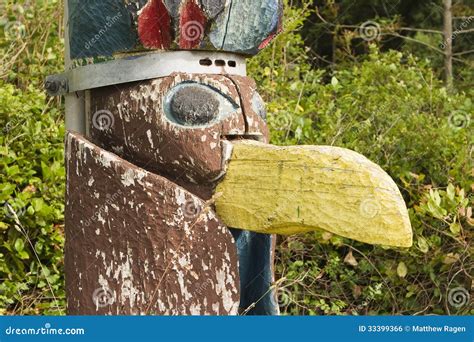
(173, 192)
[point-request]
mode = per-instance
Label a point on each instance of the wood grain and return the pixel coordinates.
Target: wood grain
(290, 190)
(138, 244)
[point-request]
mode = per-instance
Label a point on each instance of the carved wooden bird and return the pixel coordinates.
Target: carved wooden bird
(174, 191)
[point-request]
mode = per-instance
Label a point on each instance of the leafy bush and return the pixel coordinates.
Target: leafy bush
(31, 158)
(387, 106)
(391, 108)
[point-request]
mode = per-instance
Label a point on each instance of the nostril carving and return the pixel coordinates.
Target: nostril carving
(205, 62)
(217, 62)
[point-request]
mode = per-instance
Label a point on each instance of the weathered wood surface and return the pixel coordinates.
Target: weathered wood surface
(145, 123)
(107, 27)
(254, 108)
(138, 244)
(145, 132)
(178, 127)
(288, 190)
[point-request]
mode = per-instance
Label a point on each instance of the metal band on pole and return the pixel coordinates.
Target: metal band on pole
(145, 67)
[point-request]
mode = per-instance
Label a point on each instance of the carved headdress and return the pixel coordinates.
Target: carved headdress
(243, 27)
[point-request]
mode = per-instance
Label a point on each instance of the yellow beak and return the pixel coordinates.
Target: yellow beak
(297, 189)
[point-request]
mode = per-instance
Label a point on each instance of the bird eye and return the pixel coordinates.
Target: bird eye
(258, 105)
(194, 104)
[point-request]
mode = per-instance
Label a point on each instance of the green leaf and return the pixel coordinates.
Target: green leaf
(402, 269)
(450, 191)
(19, 245)
(45, 170)
(455, 228)
(437, 198)
(11, 171)
(423, 245)
(24, 255)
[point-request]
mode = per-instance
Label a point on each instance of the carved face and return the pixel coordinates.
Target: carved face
(178, 126)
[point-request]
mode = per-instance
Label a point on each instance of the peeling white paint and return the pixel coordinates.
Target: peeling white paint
(148, 133)
(100, 218)
(128, 178)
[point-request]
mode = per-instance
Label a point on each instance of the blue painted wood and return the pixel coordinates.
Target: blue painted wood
(255, 270)
(245, 24)
(212, 7)
(99, 28)
(102, 28)
(173, 7)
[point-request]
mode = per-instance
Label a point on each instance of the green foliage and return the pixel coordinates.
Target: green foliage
(392, 108)
(335, 32)
(31, 157)
(389, 106)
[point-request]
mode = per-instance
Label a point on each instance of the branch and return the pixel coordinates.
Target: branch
(413, 29)
(464, 31)
(416, 41)
(420, 30)
(463, 53)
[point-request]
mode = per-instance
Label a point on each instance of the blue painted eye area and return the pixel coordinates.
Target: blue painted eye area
(193, 104)
(259, 107)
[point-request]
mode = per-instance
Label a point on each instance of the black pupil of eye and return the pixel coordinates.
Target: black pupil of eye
(192, 106)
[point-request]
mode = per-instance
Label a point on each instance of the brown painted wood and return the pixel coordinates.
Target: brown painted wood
(255, 124)
(141, 133)
(138, 244)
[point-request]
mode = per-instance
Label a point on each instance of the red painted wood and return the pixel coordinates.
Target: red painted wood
(192, 25)
(266, 42)
(269, 39)
(154, 26)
